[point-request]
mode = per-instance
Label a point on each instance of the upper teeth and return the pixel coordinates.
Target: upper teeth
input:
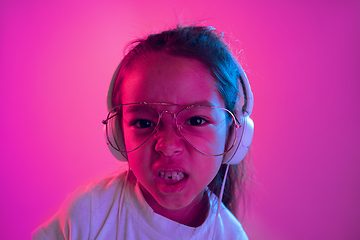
(171, 175)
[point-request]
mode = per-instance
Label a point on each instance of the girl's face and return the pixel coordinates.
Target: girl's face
(168, 169)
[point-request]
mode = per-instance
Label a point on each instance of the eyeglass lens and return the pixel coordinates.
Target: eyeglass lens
(203, 127)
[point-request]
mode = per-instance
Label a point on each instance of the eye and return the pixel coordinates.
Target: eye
(196, 121)
(143, 123)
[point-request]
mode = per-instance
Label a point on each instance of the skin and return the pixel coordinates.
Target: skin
(160, 77)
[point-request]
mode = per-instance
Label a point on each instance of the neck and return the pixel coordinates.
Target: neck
(193, 215)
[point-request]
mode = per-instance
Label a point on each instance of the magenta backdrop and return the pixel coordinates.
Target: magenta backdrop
(302, 58)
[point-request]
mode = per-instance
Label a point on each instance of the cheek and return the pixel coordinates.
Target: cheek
(134, 142)
(139, 165)
(129, 140)
(218, 163)
(210, 142)
(208, 169)
(220, 141)
(141, 159)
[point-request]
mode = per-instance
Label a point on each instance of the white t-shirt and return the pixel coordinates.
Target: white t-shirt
(115, 208)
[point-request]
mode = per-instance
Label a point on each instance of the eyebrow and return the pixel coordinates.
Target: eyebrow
(203, 103)
(135, 108)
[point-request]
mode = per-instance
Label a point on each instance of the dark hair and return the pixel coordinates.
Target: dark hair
(207, 46)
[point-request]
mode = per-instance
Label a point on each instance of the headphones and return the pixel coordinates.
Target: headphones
(243, 134)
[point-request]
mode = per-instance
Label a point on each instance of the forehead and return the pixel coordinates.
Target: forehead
(161, 77)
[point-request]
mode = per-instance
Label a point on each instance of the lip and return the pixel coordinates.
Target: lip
(170, 188)
(173, 188)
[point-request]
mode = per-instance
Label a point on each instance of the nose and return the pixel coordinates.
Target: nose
(169, 141)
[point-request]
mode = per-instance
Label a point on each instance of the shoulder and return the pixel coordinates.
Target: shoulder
(105, 189)
(80, 208)
(226, 224)
(231, 227)
(97, 194)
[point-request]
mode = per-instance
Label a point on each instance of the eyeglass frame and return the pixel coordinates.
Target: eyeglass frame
(156, 129)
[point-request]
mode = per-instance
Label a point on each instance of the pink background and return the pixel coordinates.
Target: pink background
(302, 58)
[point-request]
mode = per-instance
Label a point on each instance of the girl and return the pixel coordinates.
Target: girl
(179, 106)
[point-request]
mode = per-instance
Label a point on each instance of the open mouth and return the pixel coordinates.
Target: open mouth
(171, 177)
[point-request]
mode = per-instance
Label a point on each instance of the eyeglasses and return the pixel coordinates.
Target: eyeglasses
(206, 128)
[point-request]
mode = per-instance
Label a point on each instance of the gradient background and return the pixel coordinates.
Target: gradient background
(302, 59)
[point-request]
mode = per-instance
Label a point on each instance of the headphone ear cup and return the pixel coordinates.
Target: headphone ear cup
(113, 133)
(243, 135)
